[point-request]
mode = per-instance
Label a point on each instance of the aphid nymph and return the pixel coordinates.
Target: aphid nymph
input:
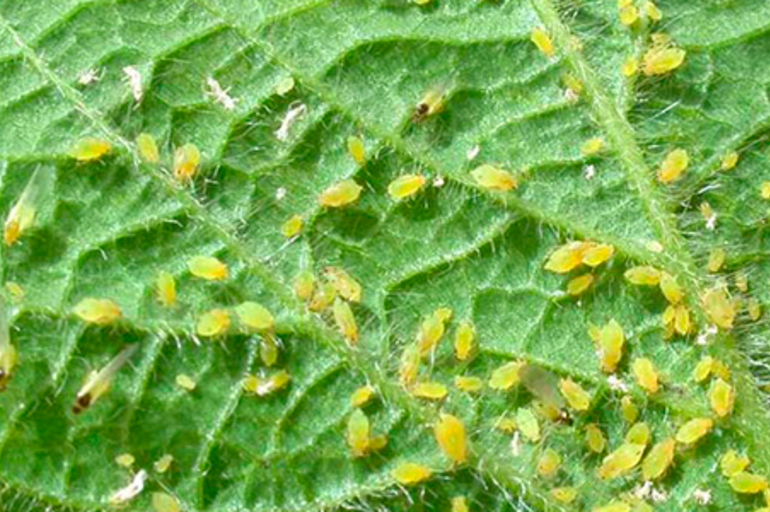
(99, 382)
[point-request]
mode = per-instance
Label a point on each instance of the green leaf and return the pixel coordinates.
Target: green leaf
(107, 228)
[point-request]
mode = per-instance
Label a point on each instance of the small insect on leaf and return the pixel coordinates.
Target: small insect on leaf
(630, 67)
(268, 349)
(506, 424)
(347, 287)
(432, 103)
(187, 161)
(716, 260)
(764, 190)
(567, 257)
(731, 463)
(611, 343)
(543, 41)
(346, 321)
(721, 397)
(409, 365)
(162, 502)
(661, 59)
(639, 433)
(90, 149)
(628, 409)
(323, 297)
(564, 494)
(99, 382)
(8, 354)
(165, 289)
(493, 178)
(652, 11)
(693, 430)
(430, 390)
(754, 309)
(673, 166)
(548, 463)
(646, 374)
(340, 194)
(660, 458)
(577, 397)
(185, 382)
(506, 376)
(356, 149)
(450, 435)
(465, 339)
(614, 506)
(703, 369)
(163, 464)
(362, 396)
(595, 255)
(292, 226)
(670, 288)
(643, 276)
(304, 285)
(578, 285)
(255, 316)
(527, 423)
(213, 323)
(621, 461)
(543, 384)
(125, 460)
(468, 384)
(574, 85)
(15, 290)
(719, 308)
(729, 161)
(742, 281)
(358, 433)
(410, 473)
(592, 146)
(629, 15)
(207, 267)
(748, 483)
(406, 186)
(263, 387)
(98, 311)
(460, 504)
(595, 439)
(22, 215)
(148, 148)
(431, 331)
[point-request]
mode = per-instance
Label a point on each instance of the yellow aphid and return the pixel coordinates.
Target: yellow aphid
(659, 459)
(621, 461)
(573, 84)
(410, 473)
(292, 226)
(670, 288)
(97, 311)
(639, 433)
(527, 423)
(643, 276)
(693, 430)
(592, 146)
(213, 323)
(125, 459)
(719, 308)
(706, 211)
(185, 382)
(346, 321)
(8, 353)
(406, 186)
(340, 194)
(460, 504)
(15, 290)
(628, 409)
(548, 463)
(682, 323)
(543, 41)
(207, 267)
(673, 166)
(494, 178)
(506, 424)
(764, 190)
(731, 463)
(356, 149)
(595, 439)
(99, 382)
(187, 161)
(506, 376)
(742, 281)
(22, 215)
(703, 369)
(346, 287)
(377, 443)
(450, 435)
(729, 161)
(285, 86)
(444, 314)
(162, 502)
(578, 285)
(716, 260)
(362, 396)
(613, 506)
(754, 308)
(432, 103)
(430, 390)
(721, 370)
(468, 384)
(409, 365)
(566, 257)
(431, 331)
(163, 464)
(255, 316)
(630, 67)
(595, 255)
(748, 483)
(652, 11)
(268, 349)
(721, 397)
(90, 149)
(304, 285)
(611, 343)
(465, 338)
(629, 15)
(165, 289)
(148, 148)
(263, 387)
(646, 374)
(577, 397)
(358, 433)
(564, 494)
(547, 411)
(662, 59)
(323, 297)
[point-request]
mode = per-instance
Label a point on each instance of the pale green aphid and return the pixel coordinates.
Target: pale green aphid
(8, 354)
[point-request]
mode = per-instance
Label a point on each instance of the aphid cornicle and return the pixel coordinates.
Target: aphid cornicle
(148, 148)
(22, 215)
(89, 149)
(99, 382)
(8, 354)
(97, 311)
(207, 267)
(187, 161)
(450, 435)
(340, 194)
